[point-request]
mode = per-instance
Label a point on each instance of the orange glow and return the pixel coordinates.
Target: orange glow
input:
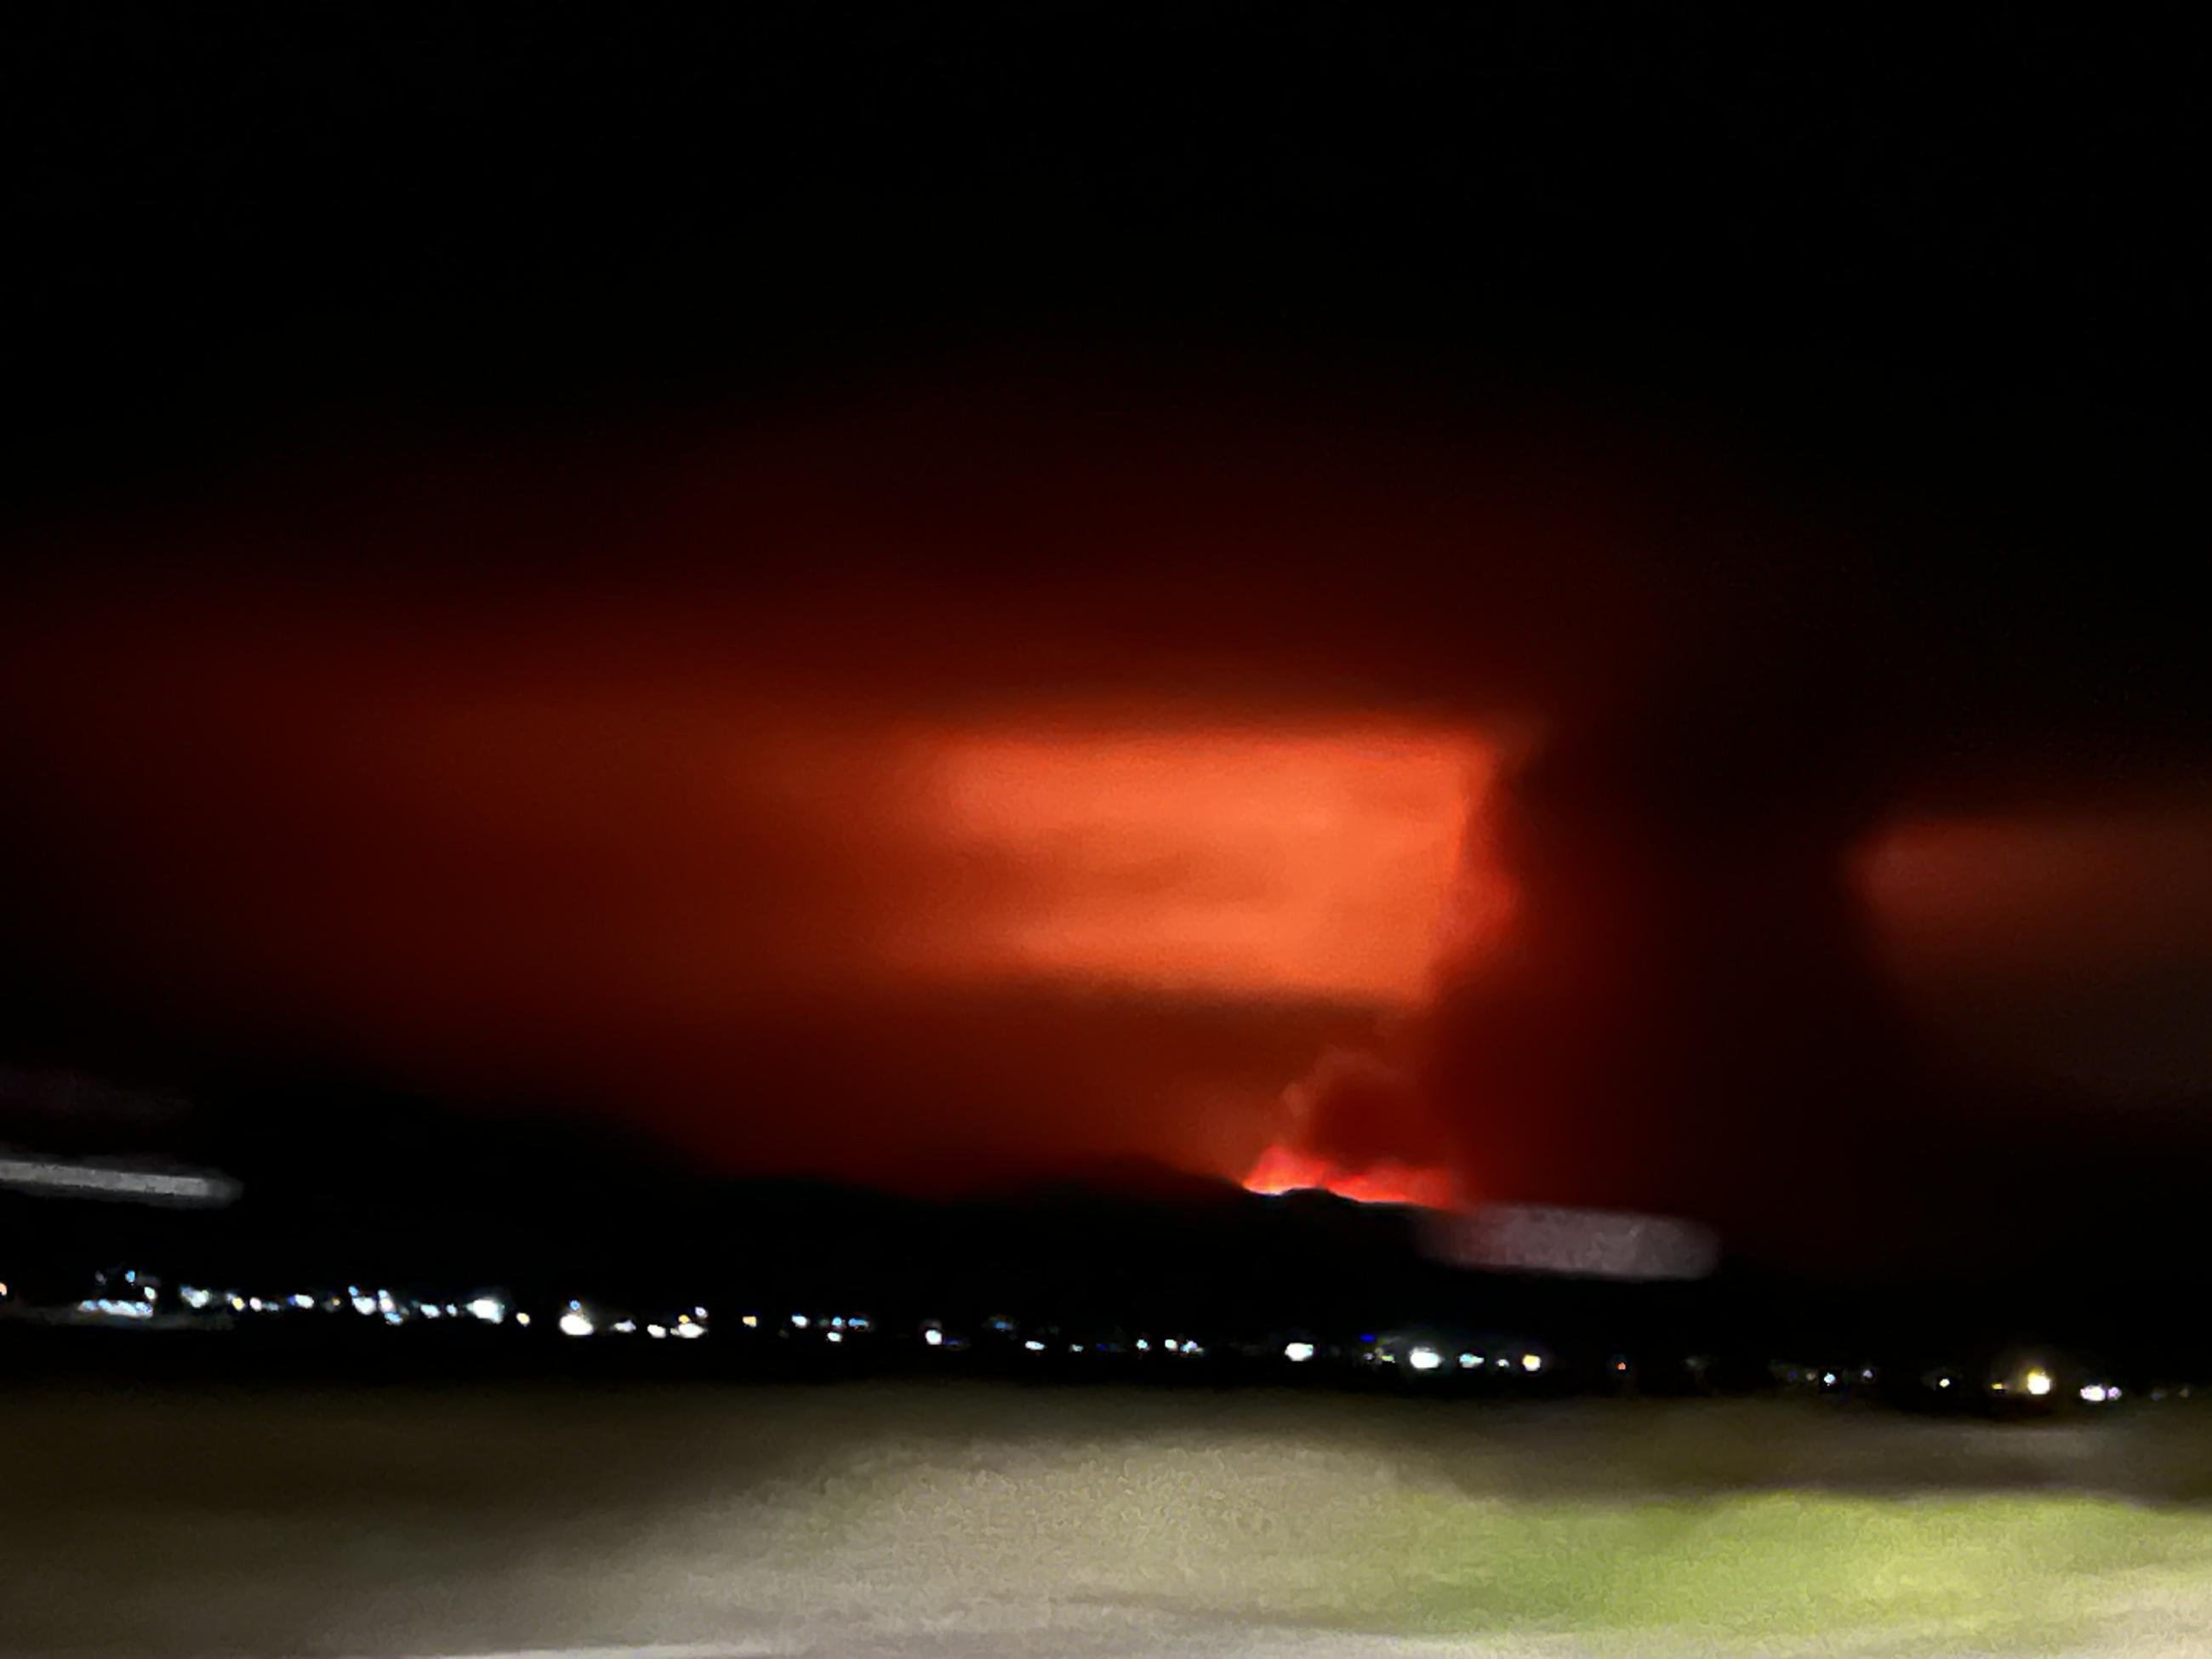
(1325, 863)
(1283, 1168)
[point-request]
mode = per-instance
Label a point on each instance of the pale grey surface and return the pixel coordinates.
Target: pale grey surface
(881, 1523)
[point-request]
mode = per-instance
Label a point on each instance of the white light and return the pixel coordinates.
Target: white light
(1500, 1361)
(1075, 1347)
(1532, 1363)
(933, 1337)
(691, 1330)
(298, 1300)
(1425, 1359)
(575, 1324)
(429, 1309)
(625, 1326)
(1467, 1362)
(386, 1304)
(656, 1332)
(2094, 1393)
(522, 1319)
(1828, 1378)
(194, 1296)
(364, 1304)
(1190, 1348)
(254, 1302)
(1298, 1352)
(2039, 1383)
(1943, 1382)
(834, 1336)
(1143, 1346)
(122, 1183)
(799, 1320)
(452, 1312)
(489, 1308)
(1034, 1346)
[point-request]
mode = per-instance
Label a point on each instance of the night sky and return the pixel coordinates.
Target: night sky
(1512, 603)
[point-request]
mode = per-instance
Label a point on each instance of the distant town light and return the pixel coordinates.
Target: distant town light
(1298, 1352)
(834, 1336)
(299, 1299)
(656, 1332)
(489, 1309)
(574, 1323)
(1828, 1379)
(1034, 1346)
(799, 1320)
(523, 1320)
(1424, 1358)
(2094, 1393)
(933, 1337)
(2039, 1383)
(625, 1326)
(750, 1321)
(1532, 1363)
(1143, 1345)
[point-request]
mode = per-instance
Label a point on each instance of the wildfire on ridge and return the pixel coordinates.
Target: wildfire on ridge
(1283, 1168)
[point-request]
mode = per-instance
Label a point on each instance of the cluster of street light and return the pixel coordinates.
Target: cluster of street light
(131, 1296)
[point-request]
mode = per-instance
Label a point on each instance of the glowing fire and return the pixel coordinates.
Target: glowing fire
(1283, 1168)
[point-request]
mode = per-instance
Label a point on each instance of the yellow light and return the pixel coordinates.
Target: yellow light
(2039, 1383)
(750, 1322)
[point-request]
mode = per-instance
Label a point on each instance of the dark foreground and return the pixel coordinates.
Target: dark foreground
(908, 1519)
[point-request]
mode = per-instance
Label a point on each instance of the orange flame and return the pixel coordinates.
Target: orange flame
(1283, 1168)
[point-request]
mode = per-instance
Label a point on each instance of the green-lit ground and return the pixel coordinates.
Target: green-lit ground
(908, 1520)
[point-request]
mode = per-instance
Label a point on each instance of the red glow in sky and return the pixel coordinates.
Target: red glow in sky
(1276, 863)
(1283, 1168)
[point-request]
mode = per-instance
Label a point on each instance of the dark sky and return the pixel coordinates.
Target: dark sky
(1604, 600)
